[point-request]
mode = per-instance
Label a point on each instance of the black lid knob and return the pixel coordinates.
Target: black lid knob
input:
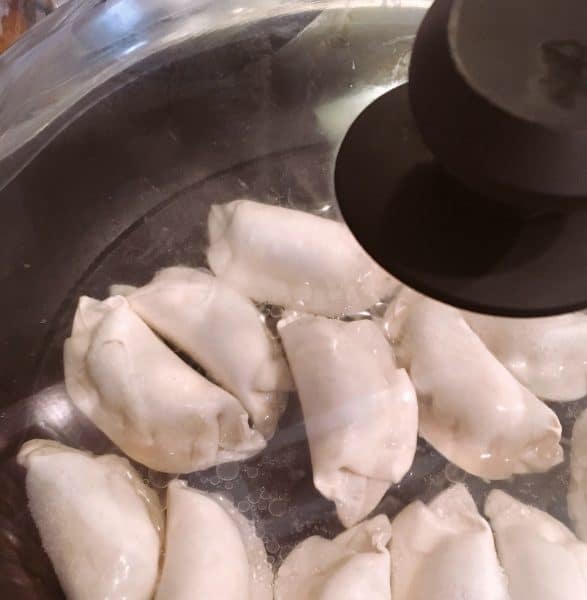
(498, 90)
(470, 183)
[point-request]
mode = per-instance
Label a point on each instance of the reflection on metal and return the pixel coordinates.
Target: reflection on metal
(66, 59)
(47, 414)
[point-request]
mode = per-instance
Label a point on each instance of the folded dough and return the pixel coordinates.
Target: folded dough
(222, 331)
(577, 495)
(293, 259)
(99, 524)
(542, 559)
(547, 355)
(353, 566)
(360, 411)
(445, 551)
(472, 410)
(152, 405)
(212, 551)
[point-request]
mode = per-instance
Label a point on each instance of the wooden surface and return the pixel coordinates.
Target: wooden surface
(14, 24)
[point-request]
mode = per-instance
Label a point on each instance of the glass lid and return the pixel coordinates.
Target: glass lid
(199, 359)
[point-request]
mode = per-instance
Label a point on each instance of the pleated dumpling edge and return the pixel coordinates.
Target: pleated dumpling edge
(212, 551)
(472, 409)
(151, 404)
(222, 331)
(360, 410)
(355, 564)
(99, 523)
(293, 259)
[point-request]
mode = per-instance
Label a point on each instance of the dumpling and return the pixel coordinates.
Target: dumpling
(222, 331)
(360, 411)
(445, 551)
(211, 551)
(577, 496)
(293, 259)
(542, 559)
(99, 524)
(547, 355)
(152, 405)
(472, 410)
(354, 565)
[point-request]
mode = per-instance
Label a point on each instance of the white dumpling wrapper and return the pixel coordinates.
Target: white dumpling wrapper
(547, 355)
(222, 331)
(360, 410)
(98, 522)
(151, 404)
(472, 409)
(211, 550)
(352, 566)
(445, 551)
(294, 259)
(542, 559)
(577, 494)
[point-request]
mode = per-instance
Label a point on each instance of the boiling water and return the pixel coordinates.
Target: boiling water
(274, 489)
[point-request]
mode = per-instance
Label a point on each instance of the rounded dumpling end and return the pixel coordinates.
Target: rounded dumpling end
(34, 448)
(219, 220)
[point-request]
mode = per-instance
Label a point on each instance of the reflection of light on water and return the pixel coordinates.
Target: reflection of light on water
(119, 25)
(125, 13)
(51, 407)
(50, 410)
(132, 48)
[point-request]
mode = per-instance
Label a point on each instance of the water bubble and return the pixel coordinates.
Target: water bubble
(454, 474)
(158, 480)
(228, 471)
(214, 480)
(272, 546)
(278, 508)
(262, 505)
(244, 506)
(252, 472)
(378, 310)
(253, 498)
(276, 312)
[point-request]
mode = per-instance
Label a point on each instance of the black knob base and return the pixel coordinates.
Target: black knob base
(478, 251)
